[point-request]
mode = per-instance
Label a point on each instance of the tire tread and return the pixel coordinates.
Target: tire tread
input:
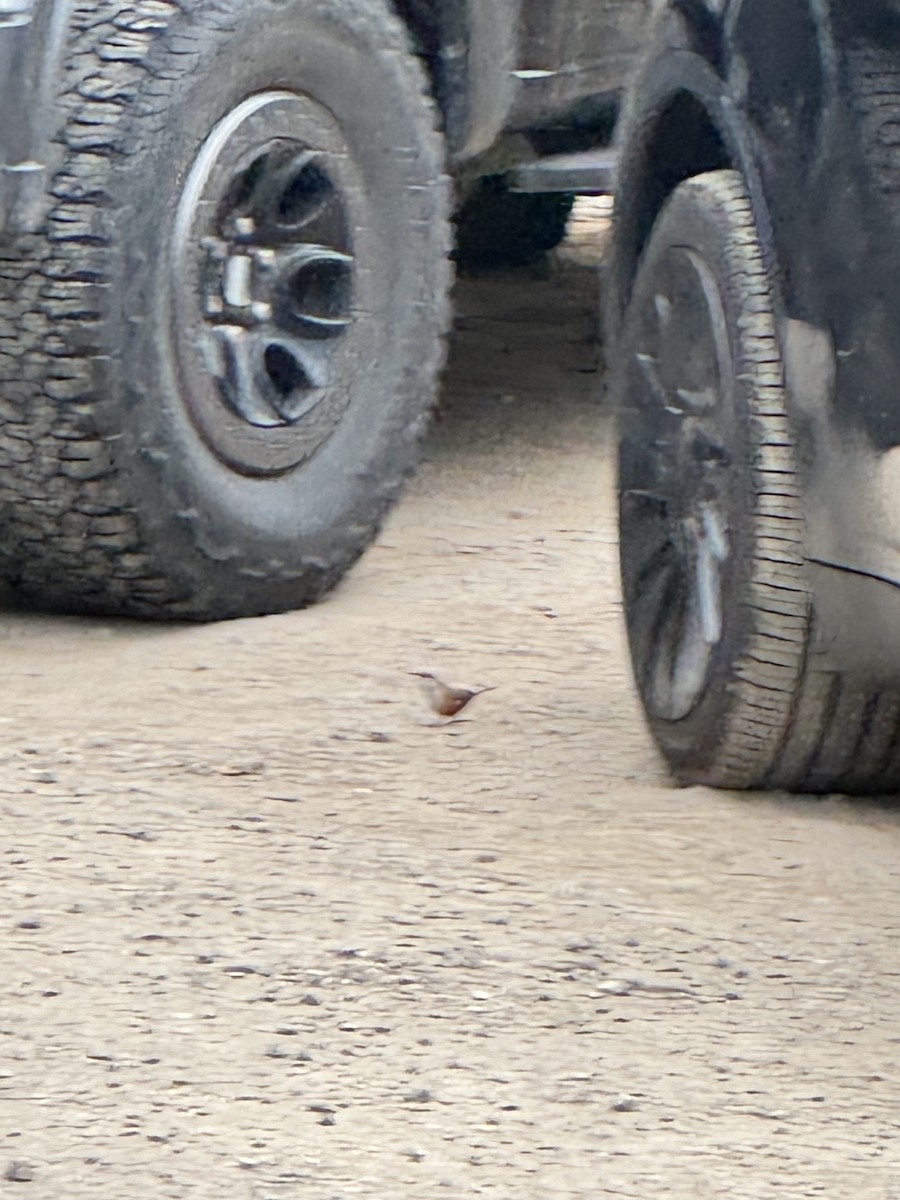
(60, 485)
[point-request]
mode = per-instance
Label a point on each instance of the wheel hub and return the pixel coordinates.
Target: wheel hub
(265, 279)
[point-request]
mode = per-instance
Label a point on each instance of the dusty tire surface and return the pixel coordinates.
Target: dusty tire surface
(168, 449)
(299, 941)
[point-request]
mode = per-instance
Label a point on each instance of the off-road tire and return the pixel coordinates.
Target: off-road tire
(497, 228)
(111, 499)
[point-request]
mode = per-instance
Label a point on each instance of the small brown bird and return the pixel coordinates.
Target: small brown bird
(447, 701)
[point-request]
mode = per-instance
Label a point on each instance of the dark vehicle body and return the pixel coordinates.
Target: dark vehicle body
(804, 99)
(799, 104)
(499, 67)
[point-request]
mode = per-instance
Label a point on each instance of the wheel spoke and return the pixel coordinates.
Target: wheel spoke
(284, 194)
(663, 636)
(689, 662)
(269, 379)
(648, 601)
(313, 292)
(238, 377)
(649, 368)
(298, 372)
(660, 558)
(712, 551)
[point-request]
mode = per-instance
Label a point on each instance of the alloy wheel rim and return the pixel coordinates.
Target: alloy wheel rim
(676, 483)
(265, 282)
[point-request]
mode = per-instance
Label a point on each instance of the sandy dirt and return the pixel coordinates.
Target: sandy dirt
(271, 932)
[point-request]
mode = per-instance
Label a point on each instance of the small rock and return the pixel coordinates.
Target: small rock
(418, 1096)
(311, 1000)
(19, 1171)
(254, 766)
(625, 1104)
(615, 987)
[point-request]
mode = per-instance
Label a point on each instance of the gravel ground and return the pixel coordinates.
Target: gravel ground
(271, 931)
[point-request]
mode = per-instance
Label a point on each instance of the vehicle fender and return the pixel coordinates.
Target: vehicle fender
(792, 128)
(32, 45)
(471, 47)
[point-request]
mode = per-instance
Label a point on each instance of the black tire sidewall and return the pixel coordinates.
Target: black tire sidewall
(691, 744)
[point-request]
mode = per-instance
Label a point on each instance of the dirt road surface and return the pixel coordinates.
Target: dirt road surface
(270, 932)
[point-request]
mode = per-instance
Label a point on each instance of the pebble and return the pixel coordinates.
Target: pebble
(19, 1172)
(254, 766)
